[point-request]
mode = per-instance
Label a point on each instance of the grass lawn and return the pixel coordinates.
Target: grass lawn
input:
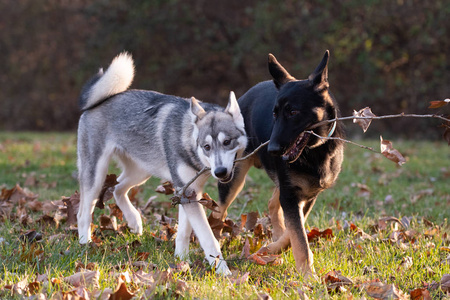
(373, 252)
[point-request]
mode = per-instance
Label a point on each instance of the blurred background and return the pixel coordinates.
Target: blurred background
(391, 55)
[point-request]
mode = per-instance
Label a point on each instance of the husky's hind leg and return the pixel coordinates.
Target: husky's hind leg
(92, 173)
(131, 176)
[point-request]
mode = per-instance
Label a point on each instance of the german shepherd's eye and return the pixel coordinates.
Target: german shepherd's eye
(226, 142)
(207, 147)
(293, 112)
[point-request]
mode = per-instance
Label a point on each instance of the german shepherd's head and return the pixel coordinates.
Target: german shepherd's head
(299, 105)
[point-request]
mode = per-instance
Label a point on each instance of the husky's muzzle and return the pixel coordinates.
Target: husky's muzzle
(221, 173)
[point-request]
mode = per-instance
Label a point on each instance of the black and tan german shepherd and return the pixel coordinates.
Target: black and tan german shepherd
(300, 164)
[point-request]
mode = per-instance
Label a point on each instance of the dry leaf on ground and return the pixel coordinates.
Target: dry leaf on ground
(379, 290)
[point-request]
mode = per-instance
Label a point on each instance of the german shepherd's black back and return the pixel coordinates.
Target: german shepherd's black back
(300, 164)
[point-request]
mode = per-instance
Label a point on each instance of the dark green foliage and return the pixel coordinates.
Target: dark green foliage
(389, 55)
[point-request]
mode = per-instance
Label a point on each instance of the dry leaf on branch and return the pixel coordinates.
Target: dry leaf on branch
(209, 203)
(363, 123)
(107, 191)
(166, 188)
(439, 103)
(390, 153)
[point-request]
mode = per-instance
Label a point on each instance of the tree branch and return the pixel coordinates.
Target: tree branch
(343, 140)
(179, 195)
(401, 115)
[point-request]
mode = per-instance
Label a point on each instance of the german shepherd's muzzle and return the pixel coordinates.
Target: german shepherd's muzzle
(300, 164)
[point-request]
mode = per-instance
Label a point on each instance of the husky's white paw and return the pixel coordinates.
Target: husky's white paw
(223, 269)
(136, 227)
(134, 221)
(181, 251)
(84, 233)
(83, 239)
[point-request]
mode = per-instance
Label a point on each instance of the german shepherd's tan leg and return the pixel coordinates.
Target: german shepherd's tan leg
(280, 235)
(276, 215)
(229, 191)
(295, 229)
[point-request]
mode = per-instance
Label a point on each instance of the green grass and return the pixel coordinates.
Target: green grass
(50, 158)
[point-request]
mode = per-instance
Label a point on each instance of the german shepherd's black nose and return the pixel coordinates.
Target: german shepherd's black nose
(220, 172)
(274, 149)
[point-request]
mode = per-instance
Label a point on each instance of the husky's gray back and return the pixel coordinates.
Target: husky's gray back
(154, 129)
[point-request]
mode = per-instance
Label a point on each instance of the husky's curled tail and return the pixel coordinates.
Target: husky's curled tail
(117, 79)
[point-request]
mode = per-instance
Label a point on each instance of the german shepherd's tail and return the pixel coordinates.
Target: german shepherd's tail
(116, 79)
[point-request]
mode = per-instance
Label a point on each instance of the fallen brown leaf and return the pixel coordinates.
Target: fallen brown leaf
(121, 292)
(379, 290)
(264, 258)
(420, 294)
(315, 234)
(181, 287)
(84, 278)
(252, 218)
(240, 279)
(445, 283)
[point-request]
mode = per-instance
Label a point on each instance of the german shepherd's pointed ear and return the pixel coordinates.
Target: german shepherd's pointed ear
(279, 74)
(319, 78)
(196, 109)
(234, 110)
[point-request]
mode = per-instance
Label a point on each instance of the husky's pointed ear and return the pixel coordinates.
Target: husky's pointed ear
(279, 74)
(196, 109)
(234, 110)
(319, 78)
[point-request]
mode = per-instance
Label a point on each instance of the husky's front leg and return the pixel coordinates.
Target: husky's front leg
(183, 234)
(194, 215)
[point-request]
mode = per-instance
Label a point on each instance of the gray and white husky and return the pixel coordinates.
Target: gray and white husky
(152, 134)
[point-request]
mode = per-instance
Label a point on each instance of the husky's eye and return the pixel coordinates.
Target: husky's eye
(226, 142)
(207, 147)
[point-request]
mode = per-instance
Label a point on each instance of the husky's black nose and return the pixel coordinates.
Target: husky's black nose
(220, 172)
(274, 149)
